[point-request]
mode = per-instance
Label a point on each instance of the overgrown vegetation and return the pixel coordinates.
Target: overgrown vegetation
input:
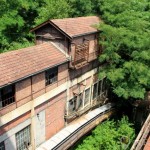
(19, 16)
(126, 37)
(110, 135)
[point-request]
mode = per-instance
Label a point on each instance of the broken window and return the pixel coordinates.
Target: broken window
(72, 104)
(51, 76)
(7, 95)
(80, 101)
(95, 91)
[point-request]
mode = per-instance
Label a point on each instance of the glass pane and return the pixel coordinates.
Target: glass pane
(23, 138)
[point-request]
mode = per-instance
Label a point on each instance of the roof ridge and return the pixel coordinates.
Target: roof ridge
(19, 50)
(74, 18)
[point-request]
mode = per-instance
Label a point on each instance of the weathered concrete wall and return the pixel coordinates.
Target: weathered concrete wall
(40, 128)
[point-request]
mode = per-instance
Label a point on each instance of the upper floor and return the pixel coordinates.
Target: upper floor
(30, 72)
(78, 37)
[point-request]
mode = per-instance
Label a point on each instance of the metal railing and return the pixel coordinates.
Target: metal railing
(4, 103)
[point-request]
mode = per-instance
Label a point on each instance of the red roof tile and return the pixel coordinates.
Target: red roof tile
(77, 26)
(74, 26)
(21, 63)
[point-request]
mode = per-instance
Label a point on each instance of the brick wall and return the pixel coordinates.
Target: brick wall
(62, 73)
(55, 112)
(38, 85)
(23, 91)
(14, 123)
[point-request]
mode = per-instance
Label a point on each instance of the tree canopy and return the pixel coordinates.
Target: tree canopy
(125, 37)
(109, 135)
(19, 16)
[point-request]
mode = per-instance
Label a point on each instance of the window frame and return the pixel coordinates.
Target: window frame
(22, 146)
(7, 95)
(51, 80)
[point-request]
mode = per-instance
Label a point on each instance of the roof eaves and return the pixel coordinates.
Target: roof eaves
(39, 26)
(25, 77)
(78, 35)
(63, 32)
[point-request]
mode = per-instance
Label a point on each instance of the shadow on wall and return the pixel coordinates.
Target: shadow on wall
(7, 138)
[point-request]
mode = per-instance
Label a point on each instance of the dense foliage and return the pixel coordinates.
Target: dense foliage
(126, 37)
(110, 135)
(19, 16)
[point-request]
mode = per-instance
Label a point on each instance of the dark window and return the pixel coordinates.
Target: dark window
(87, 96)
(51, 76)
(100, 87)
(95, 91)
(2, 146)
(72, 104)
(7, 95)
(80, 101)
(23, 138)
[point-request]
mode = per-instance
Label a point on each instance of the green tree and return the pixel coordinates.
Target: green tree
(81, 7)
(52, 9)
(125, 38)
(110, 135)
(17, 17)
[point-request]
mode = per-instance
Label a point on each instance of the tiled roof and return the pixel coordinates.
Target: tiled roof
(21, 63)
(74, 26)
(77, 26)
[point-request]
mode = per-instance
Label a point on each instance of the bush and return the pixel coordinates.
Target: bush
(110, 135)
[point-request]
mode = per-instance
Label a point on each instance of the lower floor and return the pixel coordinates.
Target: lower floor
(44, 117)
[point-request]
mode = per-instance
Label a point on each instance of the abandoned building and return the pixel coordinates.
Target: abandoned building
(46, 87)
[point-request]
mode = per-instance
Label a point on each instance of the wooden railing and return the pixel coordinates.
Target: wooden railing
(81, 53)
(142, 137)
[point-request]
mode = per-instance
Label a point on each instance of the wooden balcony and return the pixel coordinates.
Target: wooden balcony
(81, 55)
